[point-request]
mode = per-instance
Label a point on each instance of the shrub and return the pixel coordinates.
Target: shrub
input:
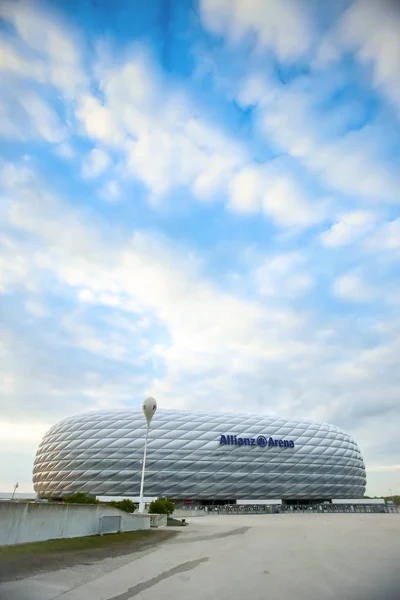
(125, 505)
(80, 498)
(161, 506)
(395, 499)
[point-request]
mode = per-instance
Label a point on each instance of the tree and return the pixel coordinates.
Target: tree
(125, 505)
(395, 499)
(161, 506)
(80, 498)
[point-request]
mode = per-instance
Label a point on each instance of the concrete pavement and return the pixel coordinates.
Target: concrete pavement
(293, 556)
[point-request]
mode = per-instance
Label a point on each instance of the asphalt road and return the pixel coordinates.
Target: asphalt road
(260, 557)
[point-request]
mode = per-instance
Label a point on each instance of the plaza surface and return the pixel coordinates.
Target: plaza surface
(295, 556)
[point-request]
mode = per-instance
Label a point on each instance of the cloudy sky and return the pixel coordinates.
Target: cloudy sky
(200, 200)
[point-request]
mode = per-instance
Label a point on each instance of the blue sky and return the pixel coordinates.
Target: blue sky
(200, 200)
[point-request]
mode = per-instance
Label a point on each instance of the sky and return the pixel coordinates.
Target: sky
(200, 201)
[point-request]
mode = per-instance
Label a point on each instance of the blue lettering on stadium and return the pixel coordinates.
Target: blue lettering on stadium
(261, 441)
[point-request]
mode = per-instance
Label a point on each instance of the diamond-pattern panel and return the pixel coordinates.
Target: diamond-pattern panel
(101, 453)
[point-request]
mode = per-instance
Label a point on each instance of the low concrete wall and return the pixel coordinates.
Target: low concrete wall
(158, 520)
(22, 522)
(182, 513)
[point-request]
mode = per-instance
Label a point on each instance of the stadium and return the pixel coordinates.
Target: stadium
(199, 457)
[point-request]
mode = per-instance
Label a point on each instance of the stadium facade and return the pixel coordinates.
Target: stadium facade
(198, 456)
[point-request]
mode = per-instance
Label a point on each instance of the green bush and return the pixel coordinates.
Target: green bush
(161, 506)
(80, 498)
(395, 499)
(125, 505)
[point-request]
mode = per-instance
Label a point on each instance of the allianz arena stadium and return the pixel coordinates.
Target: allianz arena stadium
(198, 456)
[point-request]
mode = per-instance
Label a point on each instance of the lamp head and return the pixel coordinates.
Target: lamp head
(149, 407)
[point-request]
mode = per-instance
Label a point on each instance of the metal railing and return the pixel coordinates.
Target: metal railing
(302, 508)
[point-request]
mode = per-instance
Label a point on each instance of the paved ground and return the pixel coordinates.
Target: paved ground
(282, 557)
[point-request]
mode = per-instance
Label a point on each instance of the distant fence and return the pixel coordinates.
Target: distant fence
(236, 509)
(22, 522)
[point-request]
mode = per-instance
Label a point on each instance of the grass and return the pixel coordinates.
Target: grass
(75, 544)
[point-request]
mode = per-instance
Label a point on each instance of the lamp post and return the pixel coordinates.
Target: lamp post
(149, 407)
(16, 486)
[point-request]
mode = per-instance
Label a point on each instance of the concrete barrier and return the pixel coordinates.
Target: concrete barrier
(158, 520)
(22, 522)
(182, 513)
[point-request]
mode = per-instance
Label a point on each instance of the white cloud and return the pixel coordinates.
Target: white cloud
(183, 151)
(386, 238)
(12, 176)
(163, 287)
(9, 128)
(16, 62)
(283, 275)
(287, 116)
(39, 30)
(58, 59)
(287, 206)
(98, 122)
(19, 441)
(349, 228)
(148, 277)
(372, 29)
(339, 160)
(351, 287)
(164, 143)
(171, 147)
(36, 308)
(43, 118)
(380, 468)
(25, 115)
(269, 189)
(245, 190)
(111, 191)
(64, 150)
(112, 346)
(12, 432)
(95, 163)
(280, 25)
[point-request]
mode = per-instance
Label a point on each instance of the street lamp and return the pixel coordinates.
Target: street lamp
(149, 407)
(16, 486)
